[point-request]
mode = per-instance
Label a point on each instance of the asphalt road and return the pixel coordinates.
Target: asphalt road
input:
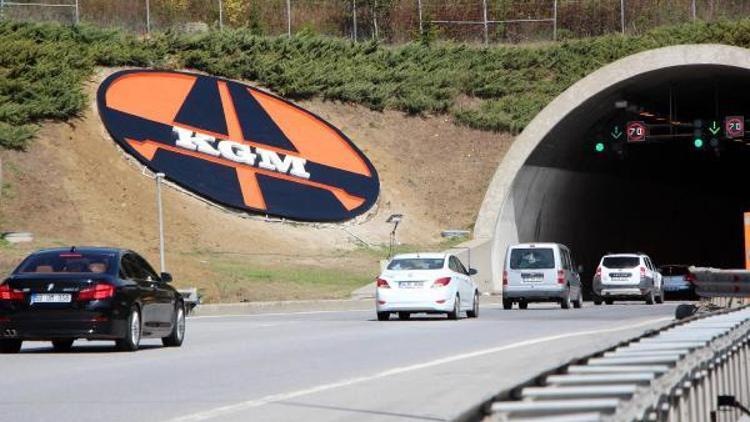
(319, 366)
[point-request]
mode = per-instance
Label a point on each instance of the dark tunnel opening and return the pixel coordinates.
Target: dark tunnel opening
(678, 195)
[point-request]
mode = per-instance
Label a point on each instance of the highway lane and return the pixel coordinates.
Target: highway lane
(325, 366)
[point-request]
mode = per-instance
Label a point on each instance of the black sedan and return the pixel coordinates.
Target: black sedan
(61, 295)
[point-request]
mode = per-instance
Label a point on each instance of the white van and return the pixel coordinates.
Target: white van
(541, 272)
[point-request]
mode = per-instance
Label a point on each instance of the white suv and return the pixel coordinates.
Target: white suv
(627, 276)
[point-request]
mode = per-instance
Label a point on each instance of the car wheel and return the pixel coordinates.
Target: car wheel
(660, 298)
(597, 302)
(403, 316)
(609, 301)
(578, 303)
(650, 298)
(175, 338)
(507, 304)
(523, 304)
(565, 302)
(455, 313)
(62, 345)
(474, 312)
(384, 316)
(132, 338)
(10, 345)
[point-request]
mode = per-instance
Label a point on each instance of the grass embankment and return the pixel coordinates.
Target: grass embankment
(43, 67)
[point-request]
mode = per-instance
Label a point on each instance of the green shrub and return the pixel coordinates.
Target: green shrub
(43, 68)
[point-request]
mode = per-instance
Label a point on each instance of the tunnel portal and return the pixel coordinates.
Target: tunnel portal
(677, 193)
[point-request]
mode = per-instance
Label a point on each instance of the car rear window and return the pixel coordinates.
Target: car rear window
(621, 262)
(68, 262)
(416, 264)
(532, 258)
(674, 271)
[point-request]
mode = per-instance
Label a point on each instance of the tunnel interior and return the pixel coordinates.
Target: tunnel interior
(678, 194)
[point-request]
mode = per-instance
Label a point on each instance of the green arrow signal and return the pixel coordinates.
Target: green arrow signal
(714, 129)
(616, 133)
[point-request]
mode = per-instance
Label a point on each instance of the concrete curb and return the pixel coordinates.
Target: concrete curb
(289, 306)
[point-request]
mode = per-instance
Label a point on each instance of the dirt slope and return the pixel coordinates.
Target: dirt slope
(74, 186)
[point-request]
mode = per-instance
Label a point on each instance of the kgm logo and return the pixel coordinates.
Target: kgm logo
(238, 146)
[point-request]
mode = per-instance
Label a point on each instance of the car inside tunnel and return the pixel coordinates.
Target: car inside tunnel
(676, 190)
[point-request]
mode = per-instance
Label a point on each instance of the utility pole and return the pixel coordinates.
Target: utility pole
(221, 15)
(554, 24)
(78, 13)
(419, 11)
(694, 10)
(486, 24)
(289, 18)
(159, 177)
(622, 16)
(148, 17)
(354, 19)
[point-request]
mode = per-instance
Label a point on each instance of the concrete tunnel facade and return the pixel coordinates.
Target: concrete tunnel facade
(678, 204)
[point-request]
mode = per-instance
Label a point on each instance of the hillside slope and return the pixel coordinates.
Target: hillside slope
(75, 186)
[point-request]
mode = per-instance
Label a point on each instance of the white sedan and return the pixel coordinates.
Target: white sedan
(426, 283)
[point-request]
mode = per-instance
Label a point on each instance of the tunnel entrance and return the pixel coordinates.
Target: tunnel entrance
(678, 195)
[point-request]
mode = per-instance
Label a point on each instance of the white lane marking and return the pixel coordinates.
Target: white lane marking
(249, 404)
(278, 314)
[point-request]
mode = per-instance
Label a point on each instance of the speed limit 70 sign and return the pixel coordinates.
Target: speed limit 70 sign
(734, 126)
(636, 131)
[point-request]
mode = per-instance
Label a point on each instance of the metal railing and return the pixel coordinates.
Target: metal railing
(693, 370)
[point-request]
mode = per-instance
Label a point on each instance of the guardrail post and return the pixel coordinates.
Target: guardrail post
(693, 397)
(674, 413)
(713, 385)
(745, 384)
(702, 413)
(735, 378)
(78, 13)
(622, 16)
(685, 401)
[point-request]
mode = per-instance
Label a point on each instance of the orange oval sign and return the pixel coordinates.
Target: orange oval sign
(238, 146)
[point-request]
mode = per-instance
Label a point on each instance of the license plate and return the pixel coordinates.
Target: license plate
(532, 278)
(620, 275)
(50, 298)
(410, 284)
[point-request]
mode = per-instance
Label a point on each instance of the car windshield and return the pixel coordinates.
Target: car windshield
(621, 262)
(528, 259)
(416, 264)
(68, 262)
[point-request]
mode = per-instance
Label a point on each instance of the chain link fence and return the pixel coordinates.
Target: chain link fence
(395, 21)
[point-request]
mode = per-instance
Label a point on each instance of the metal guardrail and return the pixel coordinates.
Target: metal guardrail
(677, 373)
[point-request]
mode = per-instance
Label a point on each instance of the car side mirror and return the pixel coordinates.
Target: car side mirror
(166, 277)
(473, 271)
(580, 269)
